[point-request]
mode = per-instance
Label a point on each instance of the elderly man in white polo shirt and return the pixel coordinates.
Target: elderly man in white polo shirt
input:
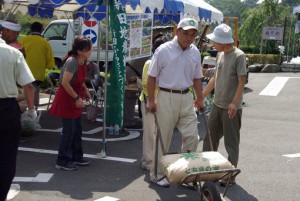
(13, 69)
(175, 67)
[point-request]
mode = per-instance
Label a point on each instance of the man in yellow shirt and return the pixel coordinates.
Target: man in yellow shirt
(39, 56)
(149, 127)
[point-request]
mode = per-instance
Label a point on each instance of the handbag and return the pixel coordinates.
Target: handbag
(92, 112)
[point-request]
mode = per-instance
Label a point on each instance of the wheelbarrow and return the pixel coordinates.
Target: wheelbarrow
(201, 170)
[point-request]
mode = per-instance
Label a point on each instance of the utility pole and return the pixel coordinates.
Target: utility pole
(236, 23)
(283, 35)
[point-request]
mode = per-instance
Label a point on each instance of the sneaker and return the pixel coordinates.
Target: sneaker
(82, 162)
(163, 181)
(69, 166)
(13, 191)
(225, 182)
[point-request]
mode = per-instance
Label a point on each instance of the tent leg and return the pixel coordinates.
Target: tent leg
(103, 151)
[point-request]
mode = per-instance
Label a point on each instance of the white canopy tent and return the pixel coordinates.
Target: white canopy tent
(197, 9)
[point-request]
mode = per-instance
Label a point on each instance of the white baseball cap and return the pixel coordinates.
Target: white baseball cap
(222, 34)
(188, 23)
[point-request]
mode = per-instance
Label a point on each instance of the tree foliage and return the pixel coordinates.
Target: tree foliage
(270, 13)
(232, 8)
(253, 17)
(25, 20)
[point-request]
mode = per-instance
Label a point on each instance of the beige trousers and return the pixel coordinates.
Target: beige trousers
(176, 111)
(149, 130)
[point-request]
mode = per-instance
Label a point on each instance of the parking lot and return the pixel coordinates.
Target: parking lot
(269, 155)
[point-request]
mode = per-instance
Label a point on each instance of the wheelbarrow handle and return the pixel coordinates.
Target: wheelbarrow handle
(207, 128)
(158, 140)
(159, 133)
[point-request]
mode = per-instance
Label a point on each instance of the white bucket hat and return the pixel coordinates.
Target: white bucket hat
(222, 34)
(188, 23)
(11, 26)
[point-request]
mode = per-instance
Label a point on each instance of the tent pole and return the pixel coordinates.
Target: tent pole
(98, 42)
(103, 151)
(12, 10)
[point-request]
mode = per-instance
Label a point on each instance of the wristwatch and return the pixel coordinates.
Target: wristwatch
(77, 97)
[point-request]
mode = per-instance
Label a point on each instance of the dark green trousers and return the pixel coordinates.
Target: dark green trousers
(220, 125)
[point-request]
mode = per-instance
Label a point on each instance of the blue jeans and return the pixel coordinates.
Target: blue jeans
(70, 147)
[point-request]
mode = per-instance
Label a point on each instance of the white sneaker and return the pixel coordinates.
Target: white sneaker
(163, 181)
(13, 191)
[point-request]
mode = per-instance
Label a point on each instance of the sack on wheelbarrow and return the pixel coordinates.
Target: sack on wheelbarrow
(178, 166)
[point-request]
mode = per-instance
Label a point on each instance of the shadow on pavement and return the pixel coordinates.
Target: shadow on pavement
(88, 182)
(236, 193)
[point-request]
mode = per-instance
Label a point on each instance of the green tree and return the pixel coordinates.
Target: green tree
(268, 14)
(233, 8)
(251, 3)
(253, 17)
(3, 15)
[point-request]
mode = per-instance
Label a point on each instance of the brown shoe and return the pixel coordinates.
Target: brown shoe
(225, 182)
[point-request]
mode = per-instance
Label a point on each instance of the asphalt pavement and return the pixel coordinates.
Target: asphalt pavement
(269, 155)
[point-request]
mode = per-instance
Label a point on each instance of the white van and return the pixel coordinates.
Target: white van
(61, 33)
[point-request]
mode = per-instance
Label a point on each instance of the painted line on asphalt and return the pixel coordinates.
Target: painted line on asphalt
(98, 119)
(111, 158)
(132, 135)
(49, 130)
(107, 198)
(90, 132)
(292, 155)
(274, 87)
(41, 177)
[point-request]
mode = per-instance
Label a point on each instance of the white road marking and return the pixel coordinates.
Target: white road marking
(44, 151)
(44, 101)
(132, 135)
(49, 130)
(41, 177)
(107, 198)
(292, 155)
(274, 87)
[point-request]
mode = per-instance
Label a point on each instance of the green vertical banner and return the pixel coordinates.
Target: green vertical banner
(116, 81)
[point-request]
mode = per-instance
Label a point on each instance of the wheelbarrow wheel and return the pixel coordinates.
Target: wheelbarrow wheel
(210, 191)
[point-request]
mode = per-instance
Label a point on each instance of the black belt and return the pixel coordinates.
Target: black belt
(7, 99)
(184, 91)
